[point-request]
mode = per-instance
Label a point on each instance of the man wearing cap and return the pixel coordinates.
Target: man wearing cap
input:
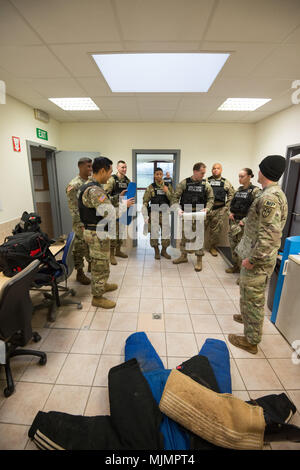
(258, 250)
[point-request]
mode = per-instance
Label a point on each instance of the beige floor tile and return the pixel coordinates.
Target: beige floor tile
(181, 344)
(199, 307)
(191, 282)
(146, 322)
(275, 346)
(173, 362)
(228, 325)
(170, 292)
(13, 436)
(59, 340)
(69, 319)
(241, 394)
(288, 373)
(89, 342)
(216, 293)
(269, 328)
(115, 342)
(151, 281)
(105, 364)
(126, 305)
(130, 292)
(233, 292)
(124, 322)
(68, 399)
(18, 365)
(236, 379)
(151, 292)
(257, 374)
(223, 307)
(205, 324)
(101, 320)
(171, 282)
(47, 373)
(98, 403)
(211, 281)
(24, 404)
(151, 306)
(202, 337)
(154, 271)
(79, 369)
(158, 341)
(132, 281)
(295, 397)
(175, 306)
(192, 293)
(176, 323)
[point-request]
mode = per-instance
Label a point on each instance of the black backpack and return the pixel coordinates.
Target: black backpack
(19, 250)
(28, 223)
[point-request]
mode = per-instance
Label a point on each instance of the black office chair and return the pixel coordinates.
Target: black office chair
(48, 276)
(15, 320)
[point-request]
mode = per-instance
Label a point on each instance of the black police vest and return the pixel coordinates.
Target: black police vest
(120, 185)
(88, 215)
(242, 201)
(194, 193)
(159, 197)
(168, 180)
(219, 191)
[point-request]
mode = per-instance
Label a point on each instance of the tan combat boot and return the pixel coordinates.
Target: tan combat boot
(157, 254)
(110, 287)
(82, 278)
(164, 253)
(198, 265)
(112, 257)
(213, 251)
(237, 317)
(233, 269)
(182, 259)
(242, 343)
(120, 253)
(103, 302)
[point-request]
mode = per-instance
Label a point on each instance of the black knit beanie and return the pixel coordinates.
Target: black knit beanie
(272, 167)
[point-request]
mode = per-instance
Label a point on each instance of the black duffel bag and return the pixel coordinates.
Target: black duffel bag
(30, 222)
(19, 250)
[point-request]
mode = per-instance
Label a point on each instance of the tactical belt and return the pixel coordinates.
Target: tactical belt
(94, 227)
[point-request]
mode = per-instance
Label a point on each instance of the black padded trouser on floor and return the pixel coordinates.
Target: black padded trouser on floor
(130, 397)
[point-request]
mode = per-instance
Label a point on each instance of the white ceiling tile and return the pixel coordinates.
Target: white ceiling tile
(95, 86)
(190, 115)
(157, 114)
(243, 56)
(121, 115)
(255, 20)
(199, 104)
(78, 59)
(116, 103)
(57, 87)
(158, 103)
(255, 116)
(14, 30)
(226, 116)
(249, 87)
(294, 37)
(161, 46)
(283, 63)
(80, 116)
(31, 62)
(71, 21)
(168, 20)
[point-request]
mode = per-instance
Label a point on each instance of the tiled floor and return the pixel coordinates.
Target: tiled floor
(82, 345)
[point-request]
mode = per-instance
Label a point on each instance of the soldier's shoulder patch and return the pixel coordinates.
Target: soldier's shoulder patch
(269, 203)
(102, 198)
(69, 188)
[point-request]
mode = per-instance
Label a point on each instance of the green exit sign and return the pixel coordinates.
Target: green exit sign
(41, 134)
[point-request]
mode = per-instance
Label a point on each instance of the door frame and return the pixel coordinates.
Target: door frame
(289, 186)
(52, 177)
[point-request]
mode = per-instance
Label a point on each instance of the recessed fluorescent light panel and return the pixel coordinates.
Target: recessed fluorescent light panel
(75, 104)
(160, 73)
(243, 104)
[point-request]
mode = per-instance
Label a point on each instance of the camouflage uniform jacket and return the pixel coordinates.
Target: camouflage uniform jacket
(228, 188)
(150, 193)
(109, 187)
(263, 227)
(72, 191)
(208, 190)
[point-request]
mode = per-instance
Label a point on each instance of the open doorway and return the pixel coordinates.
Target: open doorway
(145, 163)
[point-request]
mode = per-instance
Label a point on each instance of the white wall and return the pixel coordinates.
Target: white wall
(274, 134)
(17, 119)
(228, 143)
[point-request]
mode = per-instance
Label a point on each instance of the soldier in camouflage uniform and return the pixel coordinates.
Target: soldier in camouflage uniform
(156, 202)
(258, 250)
(239, 207)
(116, 185)
(81, 249)
(190, 193)
(92, 201)
(223, 194)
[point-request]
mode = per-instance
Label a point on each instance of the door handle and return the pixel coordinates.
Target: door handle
(295, 213)
(285, 267)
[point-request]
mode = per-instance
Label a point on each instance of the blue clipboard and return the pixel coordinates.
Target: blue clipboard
(126, 218)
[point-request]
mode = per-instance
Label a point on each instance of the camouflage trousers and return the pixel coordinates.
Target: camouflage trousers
(100, 254)
(235, 235)
(160, 225)
(253, 284)
(214, 224)
(199, 251)
(116, 242)
(80, 248)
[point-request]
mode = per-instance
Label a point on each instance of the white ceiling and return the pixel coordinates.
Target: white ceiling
(46, 47)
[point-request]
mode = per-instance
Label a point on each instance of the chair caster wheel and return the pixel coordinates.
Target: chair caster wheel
(36, 337)
(8, 392)
(72, 292)
(79, 307)
(43, 360)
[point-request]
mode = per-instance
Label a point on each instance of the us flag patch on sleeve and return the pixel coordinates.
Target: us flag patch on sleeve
(102, 198)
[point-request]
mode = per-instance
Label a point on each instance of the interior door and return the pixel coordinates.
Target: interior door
(295, 222)
(66, 163)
